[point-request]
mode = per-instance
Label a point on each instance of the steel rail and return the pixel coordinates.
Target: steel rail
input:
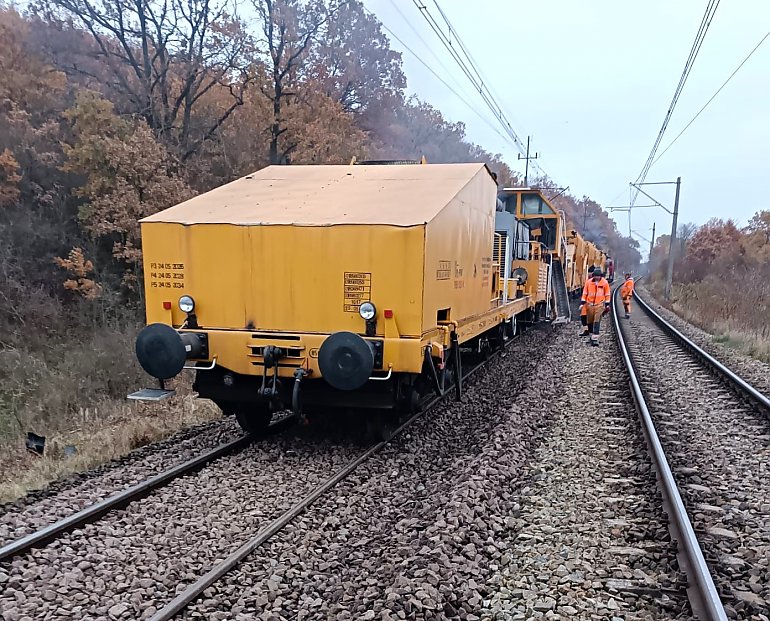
(701, 590)
(726, 374)
(196, 589)
(121, 499)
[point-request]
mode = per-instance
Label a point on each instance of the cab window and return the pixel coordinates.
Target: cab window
(532, 204)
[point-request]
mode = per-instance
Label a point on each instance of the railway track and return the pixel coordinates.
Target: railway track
(403, 536)
(195, 590)
(338, 468)
(97, 510)
(122, 499)
(711, 427)
(590, 540)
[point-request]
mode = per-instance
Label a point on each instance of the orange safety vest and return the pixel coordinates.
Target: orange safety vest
(627, 288)
(595, 293)
(584, 308)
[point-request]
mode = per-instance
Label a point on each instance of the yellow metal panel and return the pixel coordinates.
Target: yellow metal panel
(206, 264)
(458, 254)
(234, 350)
(308, 279)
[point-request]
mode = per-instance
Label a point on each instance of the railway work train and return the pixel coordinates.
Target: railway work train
(362, 286)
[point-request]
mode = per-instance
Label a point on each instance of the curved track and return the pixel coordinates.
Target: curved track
(710, 424)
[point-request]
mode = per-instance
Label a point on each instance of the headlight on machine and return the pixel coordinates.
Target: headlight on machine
(367, 311)
(186, 304)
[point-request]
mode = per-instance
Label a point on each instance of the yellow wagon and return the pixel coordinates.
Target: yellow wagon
(304, 286)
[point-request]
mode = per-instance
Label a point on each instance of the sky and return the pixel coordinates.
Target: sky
(591, 80)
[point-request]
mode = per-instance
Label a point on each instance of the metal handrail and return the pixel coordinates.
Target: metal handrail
(701, 591)
(194, 367)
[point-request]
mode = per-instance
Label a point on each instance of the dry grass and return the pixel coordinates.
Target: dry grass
(72, 390)
(102, 433)
(735, 314)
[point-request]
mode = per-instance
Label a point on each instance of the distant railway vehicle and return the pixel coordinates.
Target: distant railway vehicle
(303, 287)
(581, 255)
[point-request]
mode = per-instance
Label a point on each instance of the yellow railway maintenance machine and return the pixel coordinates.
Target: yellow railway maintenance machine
(540, 250)
(311, 286)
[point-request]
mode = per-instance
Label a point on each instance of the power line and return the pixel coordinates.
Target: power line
(708, 16)
(692, 120)
(466, 51)
(706, 105)
(419, 36)
(469, 67)
(439, 78)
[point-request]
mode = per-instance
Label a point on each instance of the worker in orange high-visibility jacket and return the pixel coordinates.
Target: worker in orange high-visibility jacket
(596, 299)
(584, 309)
(626, 293)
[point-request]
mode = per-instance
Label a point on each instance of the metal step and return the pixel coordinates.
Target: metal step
(151, 394)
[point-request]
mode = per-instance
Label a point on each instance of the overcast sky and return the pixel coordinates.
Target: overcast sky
(591, 81)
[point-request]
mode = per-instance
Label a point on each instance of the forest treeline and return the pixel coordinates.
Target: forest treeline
(721, 279)
(113, 110)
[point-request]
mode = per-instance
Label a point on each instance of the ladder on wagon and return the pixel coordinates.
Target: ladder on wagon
(559, 279)
(560, 295)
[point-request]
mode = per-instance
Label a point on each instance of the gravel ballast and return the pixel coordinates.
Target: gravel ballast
(590, 540)
(533, 498)
(750, 369)
(132, 561)
(65, 497)
(719, 449)
(435, 528)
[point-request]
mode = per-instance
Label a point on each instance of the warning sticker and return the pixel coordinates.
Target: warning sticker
(444, 270)
(357, 290)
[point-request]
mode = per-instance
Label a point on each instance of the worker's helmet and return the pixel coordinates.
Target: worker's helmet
(627, 274)
(598, 272)
(591, 269)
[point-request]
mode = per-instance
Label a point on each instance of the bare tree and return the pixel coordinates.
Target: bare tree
(289, 28)
(684, 235)
(164, 57)
(353, 62)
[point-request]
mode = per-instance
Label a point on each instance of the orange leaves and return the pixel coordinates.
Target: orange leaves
(9, 178)
(320, 131)
(128, 176)
(716, 240)
(26, 82)
(80, 269)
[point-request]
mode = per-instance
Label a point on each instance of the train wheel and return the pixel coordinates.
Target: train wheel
(409, 400)
(512, 327)
(380, 425)
(254, 418)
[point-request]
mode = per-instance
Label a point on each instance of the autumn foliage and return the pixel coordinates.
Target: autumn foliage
(9, 178)
(111, 111)
(80, 270)
(722, 278)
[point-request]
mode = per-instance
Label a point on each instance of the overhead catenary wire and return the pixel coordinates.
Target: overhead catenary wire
(469, 67)
(700, 36)
(394, 4)
(468, 54)
(422, 61)
(706, 105)
(709, 101)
